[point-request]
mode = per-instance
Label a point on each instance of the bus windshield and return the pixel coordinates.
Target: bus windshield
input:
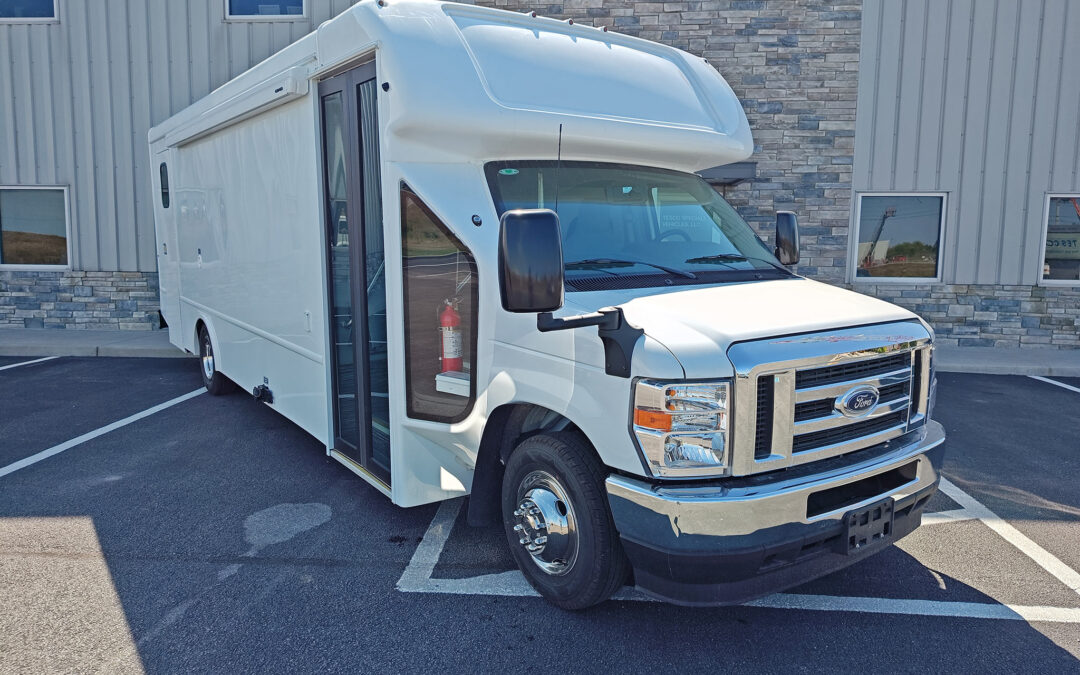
(632, 226)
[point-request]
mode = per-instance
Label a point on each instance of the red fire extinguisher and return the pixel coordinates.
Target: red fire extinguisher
(450, 347)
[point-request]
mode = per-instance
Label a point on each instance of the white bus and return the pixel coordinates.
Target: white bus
(468, 252)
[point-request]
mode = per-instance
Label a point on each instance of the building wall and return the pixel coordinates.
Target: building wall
(974, 98)
(69, 299)
(991, 315)
(977, 99)
(81, 94)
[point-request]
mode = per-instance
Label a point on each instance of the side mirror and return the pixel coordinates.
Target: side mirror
(530, 261)
(787, 237)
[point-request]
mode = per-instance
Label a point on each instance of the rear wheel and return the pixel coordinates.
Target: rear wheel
(215, 383)
(557, 522)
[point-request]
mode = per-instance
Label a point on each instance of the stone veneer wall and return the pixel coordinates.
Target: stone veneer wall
(991, 315)
(68, 299)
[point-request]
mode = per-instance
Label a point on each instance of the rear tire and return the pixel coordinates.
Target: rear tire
(214, 381)
(557, 522)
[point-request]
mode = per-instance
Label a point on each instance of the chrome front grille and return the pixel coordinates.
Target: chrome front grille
(787, 411)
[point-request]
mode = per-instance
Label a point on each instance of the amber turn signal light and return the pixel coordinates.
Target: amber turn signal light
(652, 419)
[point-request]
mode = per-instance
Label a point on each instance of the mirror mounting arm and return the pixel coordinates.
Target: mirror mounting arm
(619, 336)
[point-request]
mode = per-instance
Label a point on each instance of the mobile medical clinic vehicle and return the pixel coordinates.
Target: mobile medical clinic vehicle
(467, 251)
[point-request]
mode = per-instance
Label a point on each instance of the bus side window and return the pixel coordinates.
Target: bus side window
(164, 170)
(440, 292)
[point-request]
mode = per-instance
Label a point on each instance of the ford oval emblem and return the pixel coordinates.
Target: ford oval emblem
(858, 402)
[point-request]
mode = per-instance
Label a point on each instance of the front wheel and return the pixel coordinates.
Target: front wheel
(557, 521)
(214, 381)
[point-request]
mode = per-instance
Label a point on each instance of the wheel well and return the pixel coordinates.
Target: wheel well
(506, 427)
(198, 329)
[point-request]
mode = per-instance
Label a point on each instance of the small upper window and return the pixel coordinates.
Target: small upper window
(899, 237)
(33, 227)
(27, 11)
(264, 9)
(1061, 257)
(164, 185)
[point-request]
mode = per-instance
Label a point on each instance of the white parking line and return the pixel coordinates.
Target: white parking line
(967, 610)
(422, 564)
(1055, 382)
(67, 445)
(27, 363)
(1041, 556)
(954, 516)
(417, 577)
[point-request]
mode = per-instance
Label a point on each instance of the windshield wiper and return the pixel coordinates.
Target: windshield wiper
(718, 257)
(616, 261)
(735, 257)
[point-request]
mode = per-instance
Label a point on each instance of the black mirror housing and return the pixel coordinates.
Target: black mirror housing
(530, 261)
(787, 238)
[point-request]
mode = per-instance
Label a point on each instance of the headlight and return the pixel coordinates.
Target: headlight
(681, 427)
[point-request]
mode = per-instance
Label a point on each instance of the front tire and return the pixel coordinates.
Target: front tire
(214, 381)
(557, 522)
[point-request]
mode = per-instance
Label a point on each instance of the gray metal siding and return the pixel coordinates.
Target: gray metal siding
(979, 99)
(80, 95)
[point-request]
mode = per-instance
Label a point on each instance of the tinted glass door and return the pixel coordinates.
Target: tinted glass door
(356, 262)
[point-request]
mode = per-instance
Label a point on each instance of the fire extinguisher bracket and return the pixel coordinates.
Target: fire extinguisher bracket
(456, 383)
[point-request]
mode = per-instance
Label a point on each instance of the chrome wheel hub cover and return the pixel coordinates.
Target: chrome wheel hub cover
(545, 524)
(208, 359)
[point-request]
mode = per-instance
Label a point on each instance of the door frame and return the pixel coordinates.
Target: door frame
(360, 457)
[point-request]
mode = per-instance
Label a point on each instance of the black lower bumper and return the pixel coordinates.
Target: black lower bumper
(702, 569)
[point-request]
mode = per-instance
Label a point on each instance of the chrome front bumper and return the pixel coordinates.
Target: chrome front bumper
(735, 539)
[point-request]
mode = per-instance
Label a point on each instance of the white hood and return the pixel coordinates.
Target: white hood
(698, 324)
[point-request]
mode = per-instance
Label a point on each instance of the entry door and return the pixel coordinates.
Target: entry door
(357, 269)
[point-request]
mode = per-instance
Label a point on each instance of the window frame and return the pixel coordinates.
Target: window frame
(1039, 280)
(304, 14)
(67, 234)
(853, 239)
(55, 18)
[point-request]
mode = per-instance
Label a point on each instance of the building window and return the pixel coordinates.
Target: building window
(440, 316)
(899, 236)
(248, 10)
(27, 11)
(33, 226)
(1061, 255)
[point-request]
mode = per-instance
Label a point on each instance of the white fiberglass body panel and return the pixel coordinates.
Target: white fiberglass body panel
(618, 82)
(459, 89)
(248, 217)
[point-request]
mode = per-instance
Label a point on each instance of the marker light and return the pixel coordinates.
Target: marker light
(681, 427)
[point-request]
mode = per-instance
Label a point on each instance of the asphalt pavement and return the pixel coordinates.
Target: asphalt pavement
(213, 535)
